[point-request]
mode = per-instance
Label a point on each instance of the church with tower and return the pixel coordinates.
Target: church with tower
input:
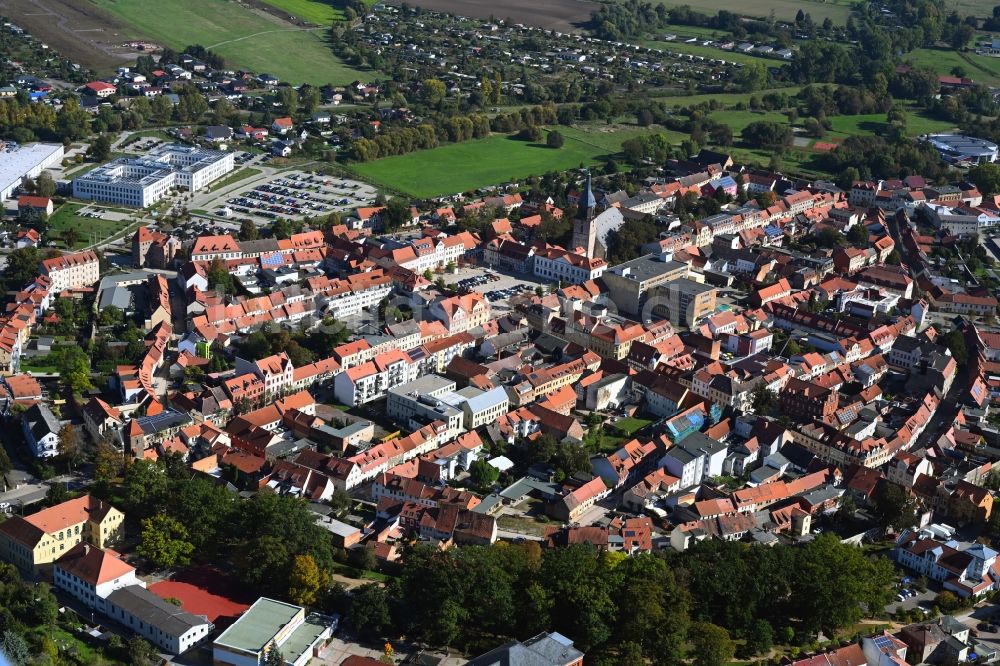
(590, 228)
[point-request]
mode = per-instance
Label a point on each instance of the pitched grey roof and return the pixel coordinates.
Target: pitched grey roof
(154, 611)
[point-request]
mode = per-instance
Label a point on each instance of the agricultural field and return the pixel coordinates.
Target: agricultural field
(77, 29)
(562, 15)
(459, 167)
(836, 10)
(319, 12)
(245, 37)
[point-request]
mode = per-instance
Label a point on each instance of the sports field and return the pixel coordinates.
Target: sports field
(460, 167)
(245, 37)
(836, 10)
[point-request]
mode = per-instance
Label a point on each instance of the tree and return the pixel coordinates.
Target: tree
(219, 277)
(369, 611)
(433, 92)
(893, 508)
(555, 139)
(140, 652)
(288, 99)
(712, 645)
(45, 186)
(165, 542)
(305, 581)
(108, 462)
(15, 648)
(70, 445)
(21, 268)
(73, 365)
(986, 177)
(100, 149)
(759, 639)
(764, 399)
(395, 215)
(954, 340)
(274, 656)
(483, 474)
(340, 502)
(249, 231)
(858, 234)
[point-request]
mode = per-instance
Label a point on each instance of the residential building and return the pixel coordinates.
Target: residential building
(34, 542)
(41, 430)
(72, 271)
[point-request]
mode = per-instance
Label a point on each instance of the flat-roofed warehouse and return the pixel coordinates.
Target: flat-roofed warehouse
(142, 181)
(962, 148)
(17, 164)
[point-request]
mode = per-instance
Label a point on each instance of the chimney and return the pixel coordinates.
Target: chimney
(86, 549)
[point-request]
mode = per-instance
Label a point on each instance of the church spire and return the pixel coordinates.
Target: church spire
(587, 201)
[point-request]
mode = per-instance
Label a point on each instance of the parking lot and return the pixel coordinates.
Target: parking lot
(498, 288)
(294, 194)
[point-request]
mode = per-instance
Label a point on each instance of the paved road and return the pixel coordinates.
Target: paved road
(25, 495)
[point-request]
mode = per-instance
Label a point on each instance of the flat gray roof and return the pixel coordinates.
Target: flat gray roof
(646, 267)
(14, 164)
(258, 625)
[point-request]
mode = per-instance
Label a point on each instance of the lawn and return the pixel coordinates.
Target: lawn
(875, 123)
(89, 229)
(234, 177)
(630, 425)
(243, 36)
(837, 11)
(728, 99)
(314, 11)
(737, 120)
(460, 167)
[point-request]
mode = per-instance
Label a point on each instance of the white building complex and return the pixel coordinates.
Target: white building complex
(16, 164)
(142, 181)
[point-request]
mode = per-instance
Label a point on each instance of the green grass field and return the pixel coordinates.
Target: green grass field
(460, 167)
(234, 177)
(728, 99)
(89, 230)
(737, 120)
(244, 37)
(875, 123)
(314, 11)
(837, 11)
(981, 69)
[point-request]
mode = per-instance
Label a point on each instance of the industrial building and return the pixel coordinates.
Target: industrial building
(961, 148)
(19, 163)
(142, 181)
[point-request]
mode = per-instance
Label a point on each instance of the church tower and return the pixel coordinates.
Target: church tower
(584, 231)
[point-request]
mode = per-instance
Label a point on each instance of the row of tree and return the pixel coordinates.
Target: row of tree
(625, 610)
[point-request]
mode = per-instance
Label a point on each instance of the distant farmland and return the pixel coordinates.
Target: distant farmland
(245, 37)
(563, 15)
